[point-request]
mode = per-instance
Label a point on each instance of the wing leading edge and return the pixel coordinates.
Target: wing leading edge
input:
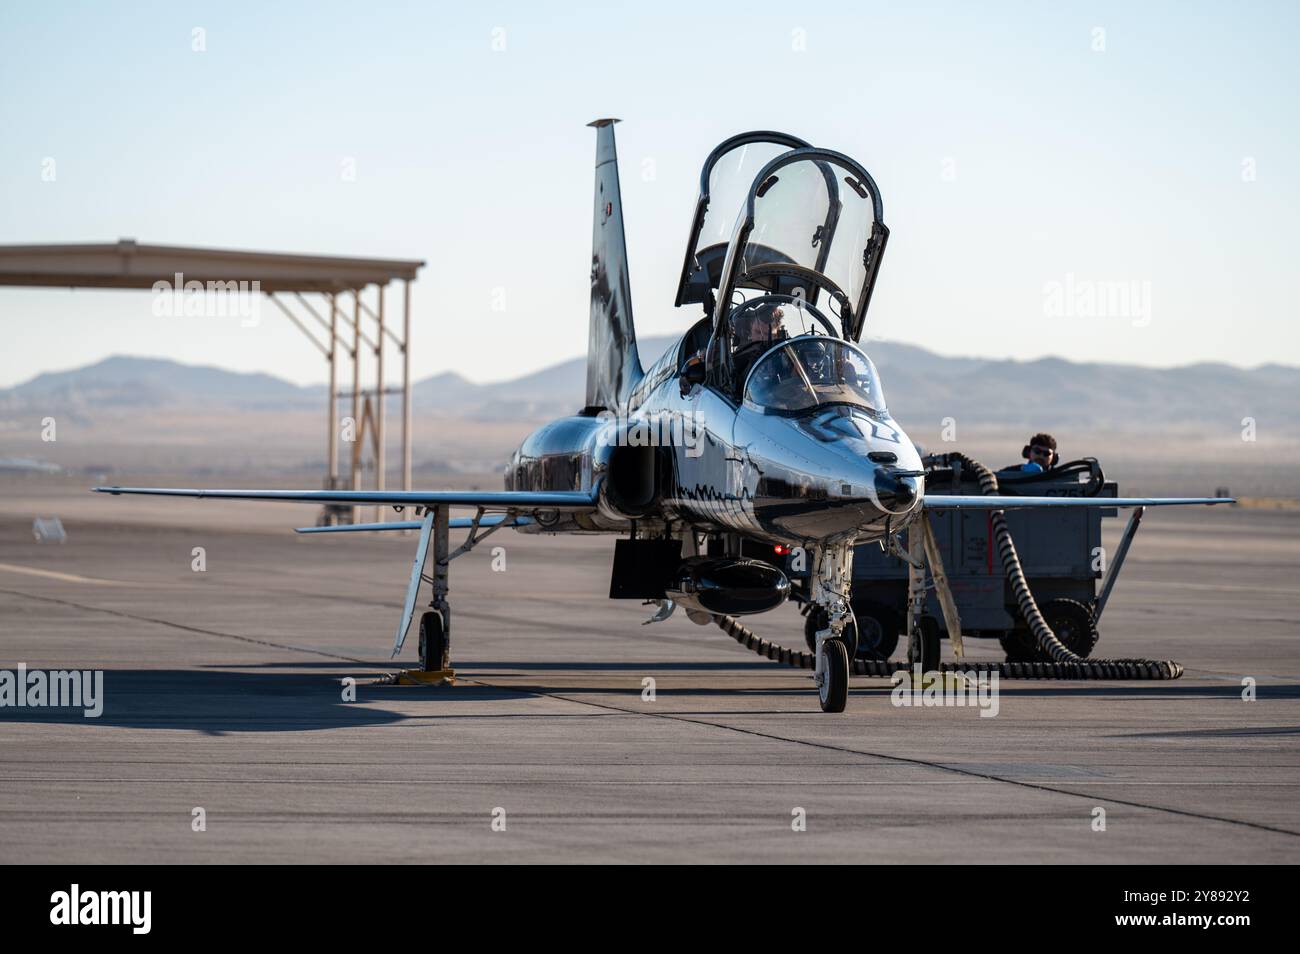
(488, 500)
(994, 502)
(455, 523)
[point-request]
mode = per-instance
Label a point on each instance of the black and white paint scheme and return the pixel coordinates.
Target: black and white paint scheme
(791, 441)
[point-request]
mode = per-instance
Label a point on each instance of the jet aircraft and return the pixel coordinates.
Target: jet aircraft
(766, 424)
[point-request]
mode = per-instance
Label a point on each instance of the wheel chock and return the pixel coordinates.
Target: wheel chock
(422, 677)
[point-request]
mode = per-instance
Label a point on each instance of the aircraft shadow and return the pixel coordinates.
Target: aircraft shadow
(468, 666)
(218, 702)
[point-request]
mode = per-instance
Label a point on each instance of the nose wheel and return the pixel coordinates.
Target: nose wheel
(833, 685)
(831, 626)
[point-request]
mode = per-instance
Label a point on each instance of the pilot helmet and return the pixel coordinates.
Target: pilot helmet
(1042, 440)
(768, 320)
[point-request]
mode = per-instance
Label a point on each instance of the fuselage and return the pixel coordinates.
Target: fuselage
(695, 456)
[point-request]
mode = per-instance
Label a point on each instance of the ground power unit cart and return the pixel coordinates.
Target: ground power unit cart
(1060, 551)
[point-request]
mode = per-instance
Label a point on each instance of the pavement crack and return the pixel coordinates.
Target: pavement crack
(901, 759)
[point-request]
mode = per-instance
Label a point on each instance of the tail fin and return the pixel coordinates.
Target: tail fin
(613, 365)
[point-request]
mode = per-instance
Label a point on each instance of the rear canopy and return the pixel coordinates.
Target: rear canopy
(725, 182)
(813, 227)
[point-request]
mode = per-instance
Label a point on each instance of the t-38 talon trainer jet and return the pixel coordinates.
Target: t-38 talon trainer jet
(765, 424)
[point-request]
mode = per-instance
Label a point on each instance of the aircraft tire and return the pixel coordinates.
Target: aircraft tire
(833, 693)
(433, 642)
(923, 645)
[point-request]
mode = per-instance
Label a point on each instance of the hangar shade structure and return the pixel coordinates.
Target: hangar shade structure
(287, 280)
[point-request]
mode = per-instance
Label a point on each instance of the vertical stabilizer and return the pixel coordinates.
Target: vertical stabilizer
(613, 365)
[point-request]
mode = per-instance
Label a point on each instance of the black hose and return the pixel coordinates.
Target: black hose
(1065, 664)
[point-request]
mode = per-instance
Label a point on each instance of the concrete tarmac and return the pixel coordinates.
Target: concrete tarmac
(224, 692)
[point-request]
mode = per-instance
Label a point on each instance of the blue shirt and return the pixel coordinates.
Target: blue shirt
(1032, 467)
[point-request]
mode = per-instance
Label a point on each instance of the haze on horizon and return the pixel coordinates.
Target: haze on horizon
(1019, 152)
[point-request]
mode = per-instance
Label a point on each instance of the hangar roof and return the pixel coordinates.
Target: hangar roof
(127, 264)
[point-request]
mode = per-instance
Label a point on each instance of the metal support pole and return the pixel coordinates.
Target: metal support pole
(379, 396)
(294, 318)
(948, 606)
(406, 385)
(1112, 574)
(356, 391)
(333, 441)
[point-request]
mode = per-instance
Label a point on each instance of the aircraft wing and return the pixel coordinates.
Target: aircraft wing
(511, 501)
(487, 499)
(455, 523)
(994, 502)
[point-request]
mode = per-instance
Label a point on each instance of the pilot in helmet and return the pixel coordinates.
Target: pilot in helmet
(755, 330)
(767, 323)
(1040, 454)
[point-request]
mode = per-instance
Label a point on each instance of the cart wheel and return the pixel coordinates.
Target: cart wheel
(1072, 623)
(878, 629)
(816, 619)
(923, 645)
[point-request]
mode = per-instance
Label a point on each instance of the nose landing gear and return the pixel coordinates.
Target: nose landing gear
(833, 577)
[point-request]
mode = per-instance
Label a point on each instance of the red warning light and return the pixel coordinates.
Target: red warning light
(781, 550)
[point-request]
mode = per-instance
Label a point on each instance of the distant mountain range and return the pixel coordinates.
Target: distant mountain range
(138, 382)
(922, 389)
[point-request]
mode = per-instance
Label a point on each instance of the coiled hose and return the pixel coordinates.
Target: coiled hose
(1065, 664)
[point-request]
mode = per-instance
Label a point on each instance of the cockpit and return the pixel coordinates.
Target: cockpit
(783, 355)
(813, 371)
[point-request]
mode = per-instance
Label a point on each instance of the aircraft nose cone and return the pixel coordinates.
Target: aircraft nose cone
(896, 494)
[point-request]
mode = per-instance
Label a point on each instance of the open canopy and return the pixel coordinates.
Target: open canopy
(777, 216)
(725, 181)
(813, 227)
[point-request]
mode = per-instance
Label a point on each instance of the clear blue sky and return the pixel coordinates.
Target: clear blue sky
(1010, 154)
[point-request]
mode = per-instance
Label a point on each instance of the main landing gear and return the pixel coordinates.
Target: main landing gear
(435, 623)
